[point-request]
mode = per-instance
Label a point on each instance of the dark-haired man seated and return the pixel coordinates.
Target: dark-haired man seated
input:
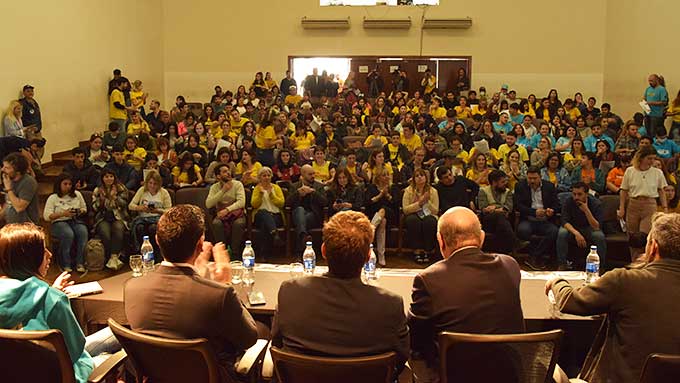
(85, 175)
(126, 174)
(336, 314)
(175, 301)
(495, 202)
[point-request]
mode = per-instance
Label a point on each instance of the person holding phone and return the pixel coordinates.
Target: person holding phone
(65, 209)
(150, 201)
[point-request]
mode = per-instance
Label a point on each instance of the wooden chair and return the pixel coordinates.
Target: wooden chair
(173, 360)
(293, 368)
(514, 358)
(661, 368)
(42, 356)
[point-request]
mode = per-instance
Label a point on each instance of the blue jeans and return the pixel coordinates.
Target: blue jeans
(303, 220)
(546, 229)
(266, 223)
(594, 237)
(66, 232)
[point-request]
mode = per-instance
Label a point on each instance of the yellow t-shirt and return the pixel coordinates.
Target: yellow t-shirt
(574, 113)
(463, 155)
(472, 175)
(413, 143)
(238, 170)
(568, 157)
(136, 129)
(476, 110)
(137, 98)
(504, 149)
(388, 169)
(463, 112)
(115, 113)
(546, 115)
(236, 127)
(290, 99)
(216, 130)
(673, 109)
(369, 140)
(553, 177)
(439, 113)
(394, 151)
(492, 152)
(263, 134)
(133, 161)
(322, 172)
(183, 176)
(302, 143)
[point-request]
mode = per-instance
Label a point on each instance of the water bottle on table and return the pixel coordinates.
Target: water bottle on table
(592, 265)
(369, 266)
(248, 257)
(147, 255)
(309, 259)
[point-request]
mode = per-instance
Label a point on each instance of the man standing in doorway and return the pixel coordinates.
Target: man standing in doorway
(657, 99)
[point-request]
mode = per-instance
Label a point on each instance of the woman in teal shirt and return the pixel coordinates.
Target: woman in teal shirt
(27, 302)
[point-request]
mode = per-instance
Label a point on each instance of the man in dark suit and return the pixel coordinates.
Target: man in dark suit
(313, 84)
(336, 314)
(640, 303)
(537, 204)
(175, 301)
(307, 199)
(468, 291)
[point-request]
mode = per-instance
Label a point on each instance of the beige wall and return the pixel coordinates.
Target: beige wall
(212, 41)
(67, 50)
(641, 39)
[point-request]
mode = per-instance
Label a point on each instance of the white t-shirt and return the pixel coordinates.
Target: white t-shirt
(643, 183)
(148, 198)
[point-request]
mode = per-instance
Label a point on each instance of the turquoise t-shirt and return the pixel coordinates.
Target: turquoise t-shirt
(654, 95)
(33, 305)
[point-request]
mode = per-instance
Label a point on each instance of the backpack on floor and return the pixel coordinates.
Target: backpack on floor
(95, 257)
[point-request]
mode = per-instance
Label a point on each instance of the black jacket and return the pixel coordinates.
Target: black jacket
(88, 175)
(314, 202)
(523, 199)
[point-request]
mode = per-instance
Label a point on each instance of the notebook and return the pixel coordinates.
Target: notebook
(82, 289)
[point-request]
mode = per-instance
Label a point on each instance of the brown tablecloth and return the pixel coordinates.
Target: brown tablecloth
(94, 310)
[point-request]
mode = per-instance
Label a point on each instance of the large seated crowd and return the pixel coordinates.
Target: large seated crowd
(272, 159)
(442, 165)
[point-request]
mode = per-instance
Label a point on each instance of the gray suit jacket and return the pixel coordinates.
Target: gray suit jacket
(471, 292)
(328, 316)
(642, 318)
(175, 302)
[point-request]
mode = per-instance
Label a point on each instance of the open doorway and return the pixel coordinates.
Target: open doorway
(302, 67)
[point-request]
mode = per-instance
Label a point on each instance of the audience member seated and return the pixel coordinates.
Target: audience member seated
(113, 137)
(488, 133)
(479, 169)
(495, 202)
(95, 153)
(630, 139)
(454, 190)
(150, 201)
(637, 303)
(397, 154)
(589, 174)
(324, 170)
(125, 174)
(665, 148)
(165, 153)
(223, 157)
(539, 156)
(21, 198)
(286, 169)
(246, 170)
(209, 309)
(615, 176)
(267, 201)
(421, 207)
(84, 175)
(582, 218)
(307, 199)
(456, 294)
(228, 199)
(537, 204)
(573, 158)
(557, 175)
(510, 145)
(193, 146)
(109, 203)
(151, 163)
(590, 141)
(187, 173)
(64, 209)
(137, 125)
(343, 194)
(134, 155)
(28, 303)
(514, 168)
(363, 320)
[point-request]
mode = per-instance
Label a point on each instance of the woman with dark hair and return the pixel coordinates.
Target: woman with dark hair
(556, 174)
(324, 169)
(259, 86)
(194, 148)
(248, 168)
(421, 207)
(208, 116)
(604, 153)
(64, 209)
(554, 99)
(578, 102)
(376, 160)
(178, 112)
(165, 153)
(97, 155)
(109, 202)
(465, 138)
(572, 159)
(343, 194)
(488, 133)
(286, 169)
(27, 302)
(186, 173)
(150, 201)
(247, 131)
(187, 125)
(174, 139)
(223, 157)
